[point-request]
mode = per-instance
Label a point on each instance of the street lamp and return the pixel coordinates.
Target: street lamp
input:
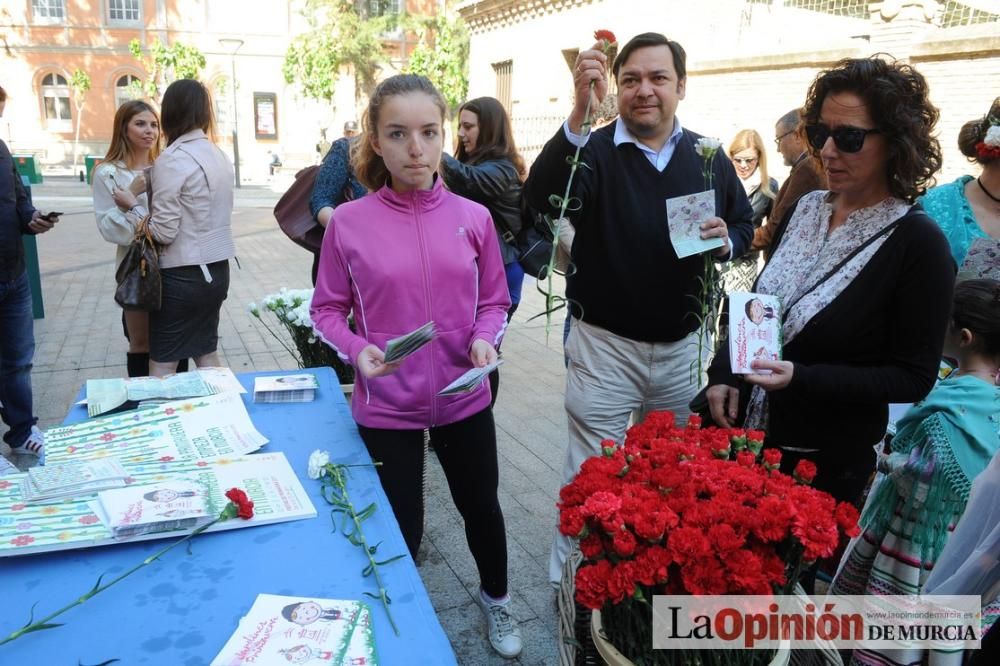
(235, 45)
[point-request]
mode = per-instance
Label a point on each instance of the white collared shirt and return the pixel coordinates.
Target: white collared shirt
(659, 159)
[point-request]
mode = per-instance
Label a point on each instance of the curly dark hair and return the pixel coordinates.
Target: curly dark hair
(896, 96)
(974, 132)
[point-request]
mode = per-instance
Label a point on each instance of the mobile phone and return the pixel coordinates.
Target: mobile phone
(51, 214)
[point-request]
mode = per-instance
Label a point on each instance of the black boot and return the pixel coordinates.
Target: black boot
(182, 365)
(138, 364)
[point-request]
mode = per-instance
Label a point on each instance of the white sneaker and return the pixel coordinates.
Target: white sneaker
(505, 635)
(34, 445)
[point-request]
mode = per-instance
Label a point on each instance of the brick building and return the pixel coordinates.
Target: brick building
(43, 41)
(749, 61)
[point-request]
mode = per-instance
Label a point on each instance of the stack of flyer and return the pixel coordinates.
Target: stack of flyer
(754, 331)
(301, 630)
(399, 348)
(72, 479)
(285, 388)
(470, 380)
(170, 505)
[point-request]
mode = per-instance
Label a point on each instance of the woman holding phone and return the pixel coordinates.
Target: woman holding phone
(120, 203)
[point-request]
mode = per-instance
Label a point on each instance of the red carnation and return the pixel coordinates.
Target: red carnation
(605, 36)
(624, 543)
(772, 458)
(746, 459)
(986, 151)
(243, 504)
(694, 422)
(592, 584)
(591, 546)
(805, 471)
(847, 519)
(571, 522)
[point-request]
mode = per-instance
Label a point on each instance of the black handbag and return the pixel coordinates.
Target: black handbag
(534, 242)
(140, 286)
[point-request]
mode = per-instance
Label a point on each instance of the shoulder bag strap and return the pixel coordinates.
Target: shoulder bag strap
(843, 262)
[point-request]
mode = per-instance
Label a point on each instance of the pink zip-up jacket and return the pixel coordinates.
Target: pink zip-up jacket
(398, 261)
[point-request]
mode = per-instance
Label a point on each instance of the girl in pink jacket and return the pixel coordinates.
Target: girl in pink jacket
(408, 253)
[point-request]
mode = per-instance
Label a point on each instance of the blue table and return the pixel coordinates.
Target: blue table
(180, 610)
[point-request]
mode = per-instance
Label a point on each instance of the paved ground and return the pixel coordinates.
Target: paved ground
(81, 338)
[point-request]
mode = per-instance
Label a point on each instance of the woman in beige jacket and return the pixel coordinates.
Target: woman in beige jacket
(192, 190)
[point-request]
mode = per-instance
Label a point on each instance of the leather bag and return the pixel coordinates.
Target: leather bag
(293, 214)
(139, 283)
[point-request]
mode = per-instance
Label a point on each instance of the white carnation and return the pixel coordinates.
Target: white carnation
(707, 146)
(317, 463)
(993, 136)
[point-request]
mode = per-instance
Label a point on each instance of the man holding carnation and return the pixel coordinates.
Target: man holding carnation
(635, 305)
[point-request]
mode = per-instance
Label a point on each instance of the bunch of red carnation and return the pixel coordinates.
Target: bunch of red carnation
(694, 511)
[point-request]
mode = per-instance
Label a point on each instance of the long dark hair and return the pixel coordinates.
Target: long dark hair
(369, 168)
(896, 97)
(120, 150)
(496, 139)
(187, 106)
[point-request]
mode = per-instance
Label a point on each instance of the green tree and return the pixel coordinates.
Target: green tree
(79, 82)
(339, 36)
(164, 64)
(442, 55)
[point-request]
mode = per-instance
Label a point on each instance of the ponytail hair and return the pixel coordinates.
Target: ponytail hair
(977, 308)
(369, 168)
(974, 132)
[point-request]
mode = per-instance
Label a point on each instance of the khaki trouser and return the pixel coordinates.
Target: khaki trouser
(608, 378)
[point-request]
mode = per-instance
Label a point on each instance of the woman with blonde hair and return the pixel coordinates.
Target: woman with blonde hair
(747, 153)
(120, 203)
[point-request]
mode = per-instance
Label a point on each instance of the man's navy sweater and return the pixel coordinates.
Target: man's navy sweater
(627, 277)
(15, 214)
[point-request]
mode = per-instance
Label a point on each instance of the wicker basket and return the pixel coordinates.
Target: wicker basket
(576, 647)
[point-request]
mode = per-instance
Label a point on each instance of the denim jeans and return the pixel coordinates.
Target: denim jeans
(17, 348)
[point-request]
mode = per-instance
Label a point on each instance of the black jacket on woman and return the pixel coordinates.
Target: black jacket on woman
(494, 184)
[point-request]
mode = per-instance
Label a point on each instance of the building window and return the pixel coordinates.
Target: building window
(123, 11)
(55, 99)
(504, 71)
(49, 11)
(127, 88)
(373, 8)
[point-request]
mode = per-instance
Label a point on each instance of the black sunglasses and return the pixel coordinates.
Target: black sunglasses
(847, 139)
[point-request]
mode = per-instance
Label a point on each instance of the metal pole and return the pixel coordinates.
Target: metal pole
(236, 126)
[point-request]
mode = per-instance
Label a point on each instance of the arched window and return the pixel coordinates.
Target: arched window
(55, 99)
(126, 88)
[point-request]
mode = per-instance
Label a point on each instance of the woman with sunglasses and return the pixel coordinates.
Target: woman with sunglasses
(746, 151)
(865, 281)
(969, 208)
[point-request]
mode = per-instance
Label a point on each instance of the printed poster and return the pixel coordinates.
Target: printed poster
(279, 630)
(754, 331)
(267, 478)
(685, 215)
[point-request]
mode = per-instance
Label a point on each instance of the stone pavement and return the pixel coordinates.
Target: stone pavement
(81, 338)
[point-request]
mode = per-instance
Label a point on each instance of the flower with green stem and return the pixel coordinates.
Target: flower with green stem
(567, 203)
(333, 487)
(706, 147)
(239, 506)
